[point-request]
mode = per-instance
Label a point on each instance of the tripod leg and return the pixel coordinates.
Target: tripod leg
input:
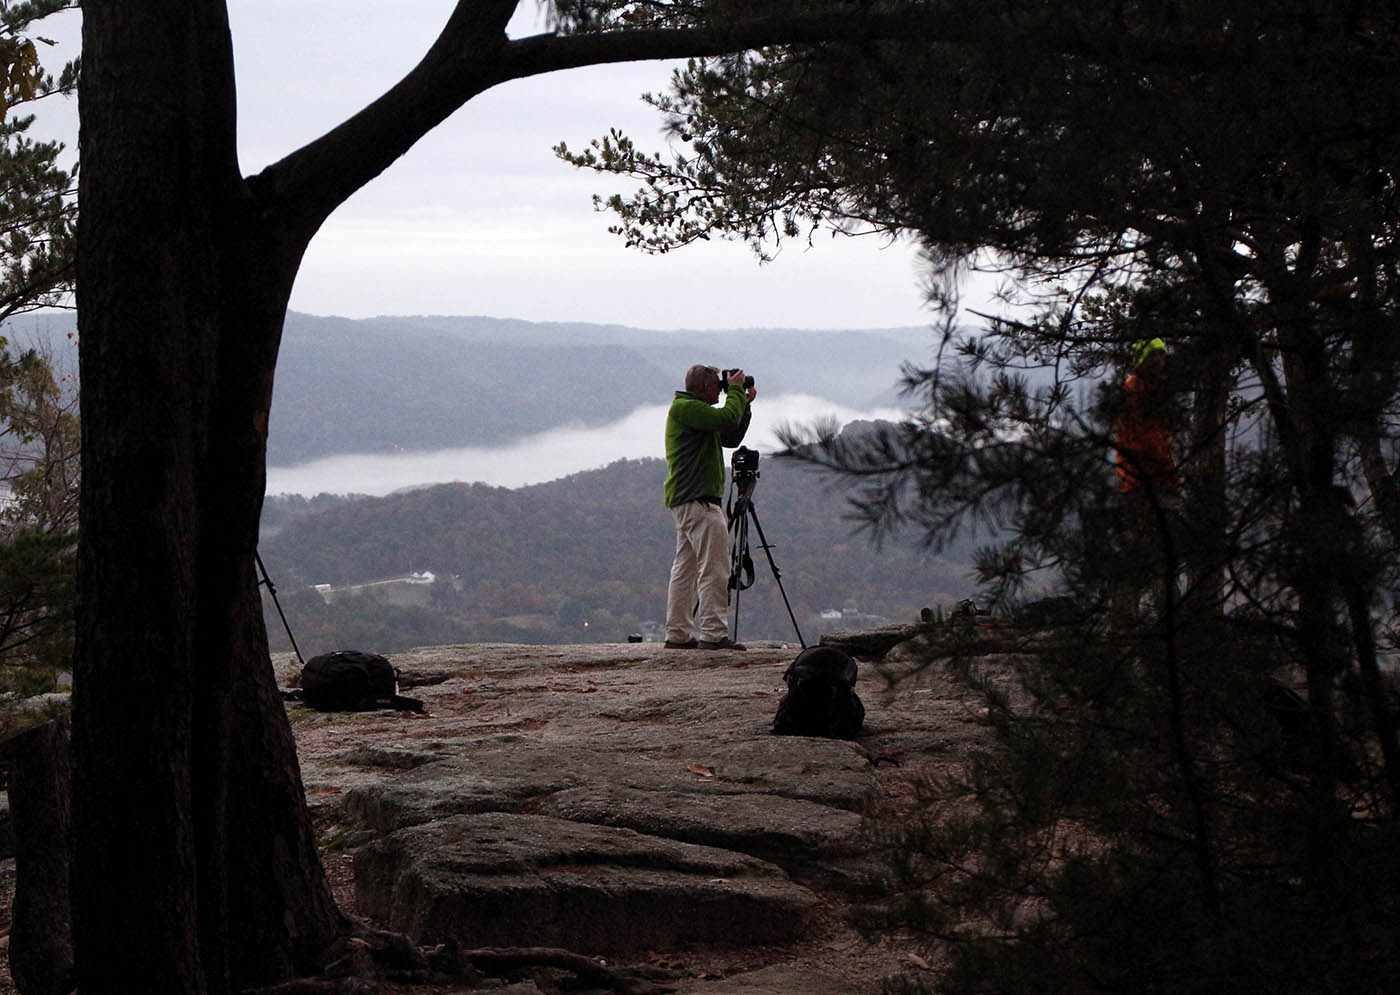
(266, 580)
(777, 574)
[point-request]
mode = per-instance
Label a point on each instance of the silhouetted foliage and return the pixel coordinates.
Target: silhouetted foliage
(1196, 782)
(39, 445)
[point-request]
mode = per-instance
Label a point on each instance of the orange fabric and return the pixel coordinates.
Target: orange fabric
(1144, 442)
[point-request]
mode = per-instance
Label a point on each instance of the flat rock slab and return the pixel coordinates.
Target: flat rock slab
(631, 797)
(511, 773)
(786, 831)
(502, 879)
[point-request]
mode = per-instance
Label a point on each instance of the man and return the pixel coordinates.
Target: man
(1148, 482)
(1144, 439)
(696, 432)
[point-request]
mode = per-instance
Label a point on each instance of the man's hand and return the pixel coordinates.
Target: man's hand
(736, 381)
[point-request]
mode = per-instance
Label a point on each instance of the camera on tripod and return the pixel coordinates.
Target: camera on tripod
(724, 376)
(744, 463)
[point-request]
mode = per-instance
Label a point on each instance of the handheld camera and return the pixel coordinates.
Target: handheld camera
(724, 376)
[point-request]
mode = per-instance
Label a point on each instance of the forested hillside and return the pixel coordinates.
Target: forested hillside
(536, 563)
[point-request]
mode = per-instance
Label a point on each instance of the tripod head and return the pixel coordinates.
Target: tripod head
(744, 467)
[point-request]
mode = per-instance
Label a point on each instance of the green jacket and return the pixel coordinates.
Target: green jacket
(695, 433)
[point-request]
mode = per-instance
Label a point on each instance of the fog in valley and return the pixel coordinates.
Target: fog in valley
(542, 457)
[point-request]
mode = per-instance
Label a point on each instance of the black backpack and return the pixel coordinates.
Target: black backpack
(821, 698)
(352, 681)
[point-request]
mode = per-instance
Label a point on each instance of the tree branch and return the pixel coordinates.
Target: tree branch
(473, 54)
(299, 192)
(550, 53)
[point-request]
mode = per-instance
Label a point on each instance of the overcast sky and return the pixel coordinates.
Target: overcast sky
(480, 218)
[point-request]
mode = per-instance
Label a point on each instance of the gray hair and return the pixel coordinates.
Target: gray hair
(697, 378)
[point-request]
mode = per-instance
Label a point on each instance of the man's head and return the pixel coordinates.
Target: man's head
(703, 382)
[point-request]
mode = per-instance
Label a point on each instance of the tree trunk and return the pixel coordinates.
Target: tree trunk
(1208, 515)
(189, 815)
(1314, 542)
(41, 938)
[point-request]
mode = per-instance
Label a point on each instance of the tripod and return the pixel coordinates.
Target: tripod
(741, 512)
(266, 581)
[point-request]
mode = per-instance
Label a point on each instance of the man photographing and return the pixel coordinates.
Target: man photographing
(696, 434)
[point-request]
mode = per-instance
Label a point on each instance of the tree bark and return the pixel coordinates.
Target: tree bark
(195, 867)
(41, 937)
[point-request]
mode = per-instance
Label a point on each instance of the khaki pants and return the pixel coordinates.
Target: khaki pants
(701, 565)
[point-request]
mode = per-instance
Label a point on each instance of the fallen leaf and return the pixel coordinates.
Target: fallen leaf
(702, 770)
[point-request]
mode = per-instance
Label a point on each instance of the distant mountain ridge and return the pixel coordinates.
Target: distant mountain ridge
(421, 383)
(392, 384)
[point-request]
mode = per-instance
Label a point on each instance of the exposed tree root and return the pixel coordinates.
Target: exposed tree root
(640, 980)
(356, 964)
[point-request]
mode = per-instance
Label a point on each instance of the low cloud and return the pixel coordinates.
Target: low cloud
(538, 458)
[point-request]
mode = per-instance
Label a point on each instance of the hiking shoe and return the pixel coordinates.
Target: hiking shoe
(721, 644)
(689, 644)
